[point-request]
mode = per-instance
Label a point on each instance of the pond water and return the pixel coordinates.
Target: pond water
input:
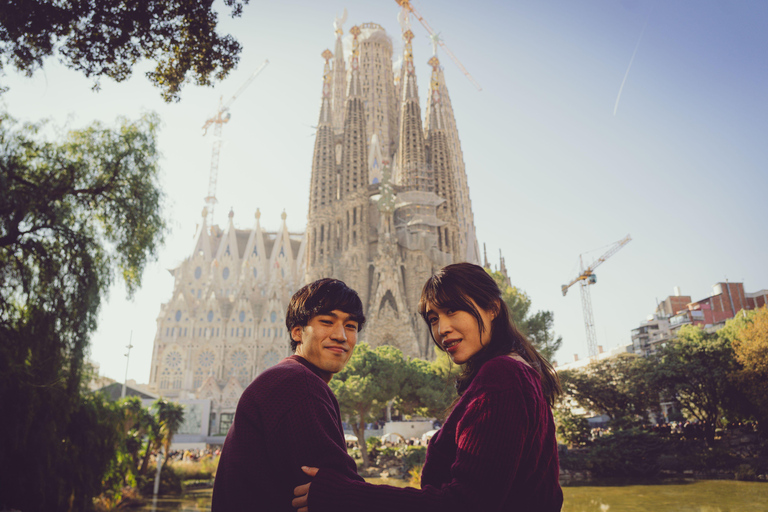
(698, 496)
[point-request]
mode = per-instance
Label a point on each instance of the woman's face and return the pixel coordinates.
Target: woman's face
(457, 331)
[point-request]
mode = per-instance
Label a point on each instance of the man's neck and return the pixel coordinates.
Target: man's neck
(326, 376)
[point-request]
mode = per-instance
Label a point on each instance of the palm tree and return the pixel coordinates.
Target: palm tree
(171, 417)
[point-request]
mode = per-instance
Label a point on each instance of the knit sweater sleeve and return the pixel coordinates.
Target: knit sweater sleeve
(490, 438)
(310, 434)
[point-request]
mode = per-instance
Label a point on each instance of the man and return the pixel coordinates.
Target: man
(288, 417)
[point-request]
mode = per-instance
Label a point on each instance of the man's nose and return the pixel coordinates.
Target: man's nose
(338, 333)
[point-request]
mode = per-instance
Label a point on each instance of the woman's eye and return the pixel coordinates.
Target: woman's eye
(432, 320)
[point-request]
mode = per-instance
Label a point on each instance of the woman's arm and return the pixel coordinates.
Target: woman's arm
(490, 439)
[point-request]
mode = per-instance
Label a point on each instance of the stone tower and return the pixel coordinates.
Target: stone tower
(389, 203)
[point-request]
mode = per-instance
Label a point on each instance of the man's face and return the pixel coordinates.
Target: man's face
(327, 340)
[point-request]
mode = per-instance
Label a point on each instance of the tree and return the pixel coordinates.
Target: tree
(537, 327)
(72, 215)
(170, 417)
(616, 387)
(109, 38)
(694, 369)
(370, 379)
(424, 390)
(749, 334)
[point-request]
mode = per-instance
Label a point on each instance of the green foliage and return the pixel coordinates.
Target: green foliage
(572, 429)
(203, 469)
(537, 327)
(110, 38)
(694, 369)
(414, 476)
(170, 417)
(72, 214)
(170, 483)
(424, 390)
(367, 382)
(414, 456)
(626, 453)
(617, 387)
(371, 378)
(749, 335)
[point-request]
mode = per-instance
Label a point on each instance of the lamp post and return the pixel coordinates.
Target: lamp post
(127, 357)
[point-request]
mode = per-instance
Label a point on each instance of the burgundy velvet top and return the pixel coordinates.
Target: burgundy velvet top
(496, 452)
(287, 418)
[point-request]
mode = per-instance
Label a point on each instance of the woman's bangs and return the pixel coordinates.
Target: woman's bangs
(444, 295)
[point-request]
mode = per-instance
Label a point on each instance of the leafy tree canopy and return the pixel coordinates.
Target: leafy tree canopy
(108, 38)
(616, 387)
(694, 369)
(537, 327)
(750, 346)
(73, 214)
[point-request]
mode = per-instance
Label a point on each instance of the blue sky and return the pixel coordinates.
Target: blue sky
(553, 173)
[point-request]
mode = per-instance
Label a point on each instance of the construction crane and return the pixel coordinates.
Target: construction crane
(218, 120)
(406, 5)
(586, 278)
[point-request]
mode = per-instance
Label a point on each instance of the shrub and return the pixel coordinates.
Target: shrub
(414, 456)
(574, 460)
(626, 453)
(204, 469)
(170, 483)
(415, 476)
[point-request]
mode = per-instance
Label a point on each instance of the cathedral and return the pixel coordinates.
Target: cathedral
(388, 206)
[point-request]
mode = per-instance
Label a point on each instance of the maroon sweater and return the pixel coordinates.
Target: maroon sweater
(286, 418)
(496, 452)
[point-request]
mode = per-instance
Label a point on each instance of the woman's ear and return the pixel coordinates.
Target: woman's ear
(496, 309)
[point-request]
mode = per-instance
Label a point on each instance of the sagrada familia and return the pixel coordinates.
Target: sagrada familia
(388, 206)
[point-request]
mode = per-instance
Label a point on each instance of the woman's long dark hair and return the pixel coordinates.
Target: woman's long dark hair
(452, 287)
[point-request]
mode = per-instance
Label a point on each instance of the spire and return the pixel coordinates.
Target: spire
(354, 64)
(411, 157)
(339, 82)
(203, 244)
(323, 182)
(469, 248)
(325, 108)
(439, 160)
(354, 153)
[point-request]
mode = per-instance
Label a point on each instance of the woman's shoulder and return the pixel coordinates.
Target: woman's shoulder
(505, 372)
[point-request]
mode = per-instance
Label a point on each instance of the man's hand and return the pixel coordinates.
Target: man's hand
(301, 492)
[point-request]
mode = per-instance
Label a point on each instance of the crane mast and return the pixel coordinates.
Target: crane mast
(218, 120)
(585, 278)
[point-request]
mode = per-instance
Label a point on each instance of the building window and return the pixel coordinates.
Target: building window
(177, 379)
(165, 378)
(225, 422)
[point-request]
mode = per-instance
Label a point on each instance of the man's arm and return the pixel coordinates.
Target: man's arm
(312, 435)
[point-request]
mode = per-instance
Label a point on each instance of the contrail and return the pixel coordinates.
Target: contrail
(618, 97)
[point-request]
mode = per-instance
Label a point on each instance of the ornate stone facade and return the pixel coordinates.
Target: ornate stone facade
(225, 322)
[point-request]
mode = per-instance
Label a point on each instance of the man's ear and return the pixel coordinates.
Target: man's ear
(296, 333)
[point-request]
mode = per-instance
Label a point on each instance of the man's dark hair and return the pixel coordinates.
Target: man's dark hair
(320, 298)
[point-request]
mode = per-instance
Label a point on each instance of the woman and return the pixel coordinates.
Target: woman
(497, 448)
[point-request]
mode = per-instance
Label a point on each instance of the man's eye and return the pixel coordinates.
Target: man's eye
(326, 322)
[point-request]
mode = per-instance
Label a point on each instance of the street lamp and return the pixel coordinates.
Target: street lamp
(127, 356)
